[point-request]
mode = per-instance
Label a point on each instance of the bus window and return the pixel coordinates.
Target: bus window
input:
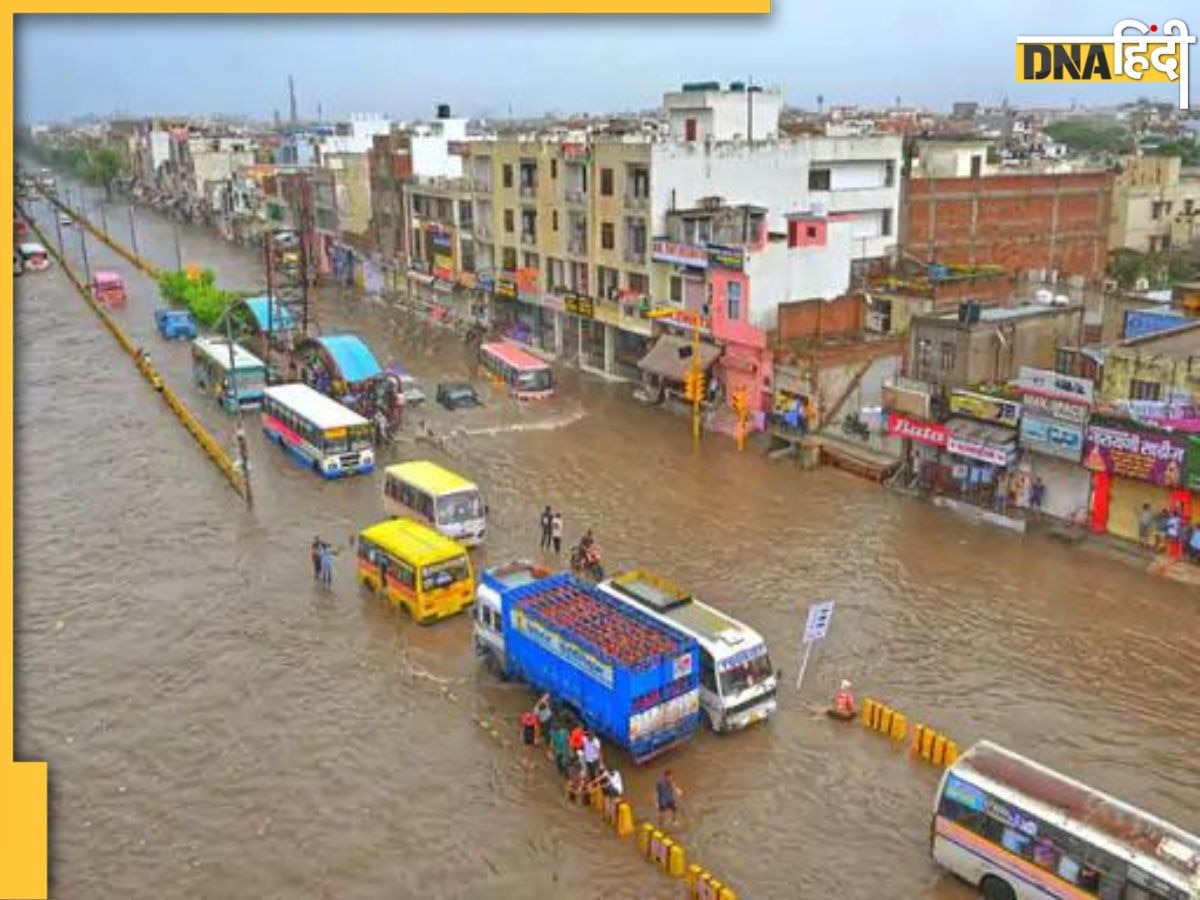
(747, 675)
(442, 575)
(708, 673)
(458, 508)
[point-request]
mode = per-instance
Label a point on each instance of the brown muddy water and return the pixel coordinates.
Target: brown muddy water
(216, 726)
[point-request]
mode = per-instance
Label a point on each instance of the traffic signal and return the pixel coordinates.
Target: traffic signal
(693, 386)
(739, 402)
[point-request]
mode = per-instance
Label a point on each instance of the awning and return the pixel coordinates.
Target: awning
(267, 313)
(664, 360)
(353, 358)
(993, 444)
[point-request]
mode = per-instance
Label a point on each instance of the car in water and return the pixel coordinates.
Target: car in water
(411, 390)
(65, 221)
(457, 395)
(175, 324)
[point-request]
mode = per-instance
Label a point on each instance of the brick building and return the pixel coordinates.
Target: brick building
(1051, 222)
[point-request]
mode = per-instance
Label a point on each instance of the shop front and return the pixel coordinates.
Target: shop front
(925, 441)
(976, 454)
(1132, 465)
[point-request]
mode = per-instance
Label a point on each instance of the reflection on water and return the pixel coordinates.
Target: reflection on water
(217, 725)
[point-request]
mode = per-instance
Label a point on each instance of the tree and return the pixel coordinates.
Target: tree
(1127, 266)
(102, 167)
(1091, 138)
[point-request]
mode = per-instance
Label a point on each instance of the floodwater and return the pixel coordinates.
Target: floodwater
(216, 726)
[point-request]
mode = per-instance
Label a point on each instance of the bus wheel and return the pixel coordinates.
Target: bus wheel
(993, 888)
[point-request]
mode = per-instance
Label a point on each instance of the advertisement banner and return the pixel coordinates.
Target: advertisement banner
(442, 267)
(527, 280)
(922, 432)
(507, 288)
(1051, 384)
(1193, 464)
(580, 305)
(680, 254)
(1142, 455)
(973, 449)
(726, 257)
(1056, 408)
(1052, 437)
(468, 280)
(485, 281)
(440, 241)
(987, 409)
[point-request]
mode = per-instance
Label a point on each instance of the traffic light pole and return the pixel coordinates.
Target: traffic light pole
(697, 389)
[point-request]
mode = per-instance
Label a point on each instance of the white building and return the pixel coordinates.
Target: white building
(430, 146)
(705, 112)
(359, 133)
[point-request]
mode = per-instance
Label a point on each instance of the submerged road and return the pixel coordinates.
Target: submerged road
(216, 726)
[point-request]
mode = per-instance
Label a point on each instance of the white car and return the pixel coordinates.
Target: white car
(65, 221)
(411, 389)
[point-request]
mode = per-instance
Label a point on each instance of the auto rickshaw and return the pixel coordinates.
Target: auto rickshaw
(108, 288)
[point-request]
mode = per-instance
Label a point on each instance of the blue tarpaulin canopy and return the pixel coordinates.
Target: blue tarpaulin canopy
(353, 358)
(275, 316)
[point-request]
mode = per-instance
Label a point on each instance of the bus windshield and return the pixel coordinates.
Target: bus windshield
(455, 509)
(358, 437)
(250, 380)
(444, 574)
(535, 380)
(746, 675)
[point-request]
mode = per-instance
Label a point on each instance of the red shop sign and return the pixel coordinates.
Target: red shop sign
(917, 430)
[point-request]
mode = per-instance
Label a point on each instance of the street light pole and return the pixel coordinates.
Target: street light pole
(243, 455)
(697, 393)
(87, 266)
(178, 251)
(133, 232)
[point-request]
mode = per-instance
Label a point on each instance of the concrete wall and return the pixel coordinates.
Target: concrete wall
(1173, 363)
(775, 175)
(430, 149)
(949, 159)
(1021, 222)
(803, 319)
(724, 115)
(1148, 185)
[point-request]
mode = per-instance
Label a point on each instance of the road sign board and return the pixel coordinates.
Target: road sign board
(819, 615)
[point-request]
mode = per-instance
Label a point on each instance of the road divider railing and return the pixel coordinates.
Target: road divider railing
(141, 360)
(145, 265)
(928, 745)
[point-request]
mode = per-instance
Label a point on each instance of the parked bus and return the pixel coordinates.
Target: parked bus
(108, 288)
(527, 377)
(210, 368)
(34, 257)
(320, 432)
(416, 568)
(737, 681)
(1017, 830)
(446, 501)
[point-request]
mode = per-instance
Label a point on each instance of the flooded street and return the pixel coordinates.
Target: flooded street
(217, 726)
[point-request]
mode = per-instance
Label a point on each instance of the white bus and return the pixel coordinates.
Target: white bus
(210, 367)
(445, 501)
(737, 680)
(1017, 830)
(320, 432)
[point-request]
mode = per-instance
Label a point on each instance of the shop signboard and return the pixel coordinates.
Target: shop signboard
(1130, 453)
(680, 254)
(1055, 408)
(1193, 463)
(442, 268)
(527, 280)
(907, 396)
(506, 288)
(930, 433)
(485, 281)
(1052, 384)
(722, 257)
(984, 408)
(440, 241)
(980, 450)
(468, 280)
(579, 305)
(553, 301)
(1052, 437)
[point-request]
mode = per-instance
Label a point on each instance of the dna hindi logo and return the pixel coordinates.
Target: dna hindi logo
(1135, 53)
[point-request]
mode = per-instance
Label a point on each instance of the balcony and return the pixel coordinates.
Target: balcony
(528, 239)
(635, 256)
(640, 204)
(481, 185)
(483, 229)
(577, 246)
(576, 196)
(529, 191)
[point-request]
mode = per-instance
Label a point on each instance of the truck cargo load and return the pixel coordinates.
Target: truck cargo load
(633, 679)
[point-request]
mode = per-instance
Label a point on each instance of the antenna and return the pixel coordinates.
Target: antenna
(292, 96)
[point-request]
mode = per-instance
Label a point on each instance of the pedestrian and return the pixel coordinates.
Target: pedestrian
(1001, 496)
(544, 712)
(610, 783)
(327, 555)
(1037, 495)
(1173, 532)
(315, 552)
(556, 532)
(547, 527)
(528, 734)
(1194, 544)
(1146, 526)
(666, 795)
(558, 745)
(1160, 530)
(591, 754)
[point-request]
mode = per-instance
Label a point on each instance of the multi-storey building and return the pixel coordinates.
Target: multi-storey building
(564, 222)
(1156, 205)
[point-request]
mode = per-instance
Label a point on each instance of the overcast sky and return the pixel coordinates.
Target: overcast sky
(928, 52)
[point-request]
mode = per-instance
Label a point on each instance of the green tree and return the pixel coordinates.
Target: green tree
(1088, 137)
(102, 167)
(1127, 266)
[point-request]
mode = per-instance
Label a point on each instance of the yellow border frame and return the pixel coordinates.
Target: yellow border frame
(24, 799)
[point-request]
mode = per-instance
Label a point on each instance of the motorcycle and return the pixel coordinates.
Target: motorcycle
(852, 424)
(586, 561)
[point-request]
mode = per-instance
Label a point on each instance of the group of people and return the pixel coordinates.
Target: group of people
(1169, 531)
(1005, 490)
(322, 555)
(579, 759)
(552, 531)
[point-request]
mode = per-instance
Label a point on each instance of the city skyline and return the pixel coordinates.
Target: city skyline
(72, 66)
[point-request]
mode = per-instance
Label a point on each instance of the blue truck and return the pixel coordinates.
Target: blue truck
(175, 324)
(628, 676)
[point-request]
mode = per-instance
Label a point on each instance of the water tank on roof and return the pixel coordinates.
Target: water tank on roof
(702, 86)
(755, 89)
(443, 111)
(1062, 300)
(1043, 296)
(737, 86)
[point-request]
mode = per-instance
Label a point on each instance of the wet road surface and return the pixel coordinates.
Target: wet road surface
(217, 726)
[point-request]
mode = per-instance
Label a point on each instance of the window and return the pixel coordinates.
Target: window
(607, 235)
(509, 259)
(676, 289)
(819, 179)
(508, 175)
(885, 223)
(554, 220)
(948, 356)
(606, 182)
(708, 675)
(1144, 390)
(889, 173)
(689, 130)
(733, 300)
(553, 168)
(1156, 210)
(810, 232)
(976, 166)
(1188, 206)
(637, 283)
(508, 220)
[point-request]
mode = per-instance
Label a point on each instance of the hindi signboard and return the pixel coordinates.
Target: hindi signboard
(680, 254)
(1056, 408)
(1052, 384)
(1052, 437)
(1158, 458)
(985, 408)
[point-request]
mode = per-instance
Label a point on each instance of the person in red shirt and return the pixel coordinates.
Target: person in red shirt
(529, 725)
